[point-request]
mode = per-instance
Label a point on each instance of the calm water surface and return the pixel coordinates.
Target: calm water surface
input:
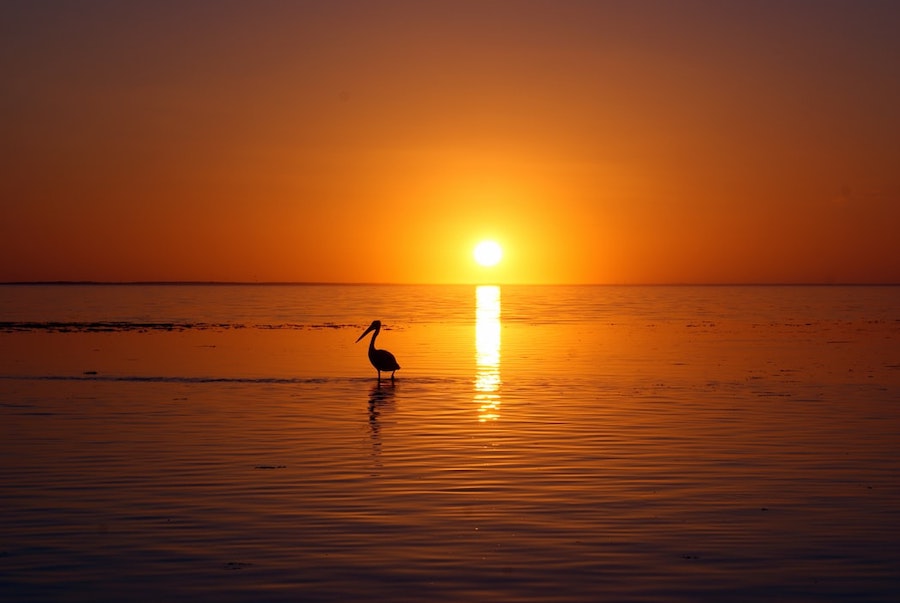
(539, 444)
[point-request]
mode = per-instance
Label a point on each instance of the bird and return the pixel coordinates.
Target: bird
(382, 360)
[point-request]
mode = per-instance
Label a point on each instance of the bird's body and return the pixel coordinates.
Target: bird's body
(382, 360)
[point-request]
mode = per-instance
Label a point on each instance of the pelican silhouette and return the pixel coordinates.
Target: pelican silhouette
(382, 360)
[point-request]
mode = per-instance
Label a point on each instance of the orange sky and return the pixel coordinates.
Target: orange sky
(599, 142)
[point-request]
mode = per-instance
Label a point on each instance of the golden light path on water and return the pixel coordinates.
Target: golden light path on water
(487, 352)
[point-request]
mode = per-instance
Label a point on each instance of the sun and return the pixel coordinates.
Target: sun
(488, 253)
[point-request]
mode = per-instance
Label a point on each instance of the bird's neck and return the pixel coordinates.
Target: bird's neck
(372, 341)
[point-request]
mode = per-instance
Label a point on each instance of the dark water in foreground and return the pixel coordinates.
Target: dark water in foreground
(539, 444)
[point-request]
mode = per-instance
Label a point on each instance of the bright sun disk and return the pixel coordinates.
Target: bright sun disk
(488, 253)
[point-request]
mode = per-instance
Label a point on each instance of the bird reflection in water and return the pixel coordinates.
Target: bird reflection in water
(487, 352)
(381, 399)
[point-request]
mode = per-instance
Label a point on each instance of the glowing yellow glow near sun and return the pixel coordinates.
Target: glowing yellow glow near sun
(488, 253)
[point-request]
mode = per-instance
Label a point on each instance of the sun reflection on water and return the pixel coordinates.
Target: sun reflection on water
(487, 352)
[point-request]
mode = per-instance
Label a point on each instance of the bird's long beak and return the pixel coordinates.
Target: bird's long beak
(366, 332)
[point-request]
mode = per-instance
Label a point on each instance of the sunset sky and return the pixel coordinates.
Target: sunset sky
(597, 142)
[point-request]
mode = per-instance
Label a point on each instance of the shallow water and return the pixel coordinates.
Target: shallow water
(539, 443)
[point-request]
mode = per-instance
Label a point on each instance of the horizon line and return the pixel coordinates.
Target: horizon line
(395, 284)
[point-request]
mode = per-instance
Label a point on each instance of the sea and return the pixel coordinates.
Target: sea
(219, 442)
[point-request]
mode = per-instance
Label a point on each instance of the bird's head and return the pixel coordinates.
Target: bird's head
(375, 326)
